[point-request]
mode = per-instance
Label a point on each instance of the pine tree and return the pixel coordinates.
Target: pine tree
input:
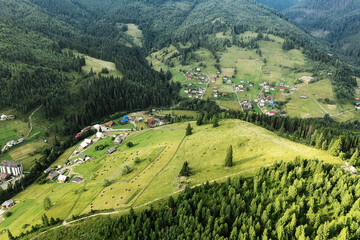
(185, 170)
(171, 202)
(229, 157)
(10, 236)
(354, 159)
(215, 121)
(188, 130)
(324, 145)
(336, 147)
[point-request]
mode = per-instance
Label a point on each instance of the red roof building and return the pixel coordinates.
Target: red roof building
(111, 123)
(282, 88)
(357, 99)
(272, 112)
(78, 134)
(5, 176)
(224, 94)
(322, 99)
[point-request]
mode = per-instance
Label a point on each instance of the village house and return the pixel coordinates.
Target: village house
(85, 143)
(357, 105)
(96, 127)
(82, 157)
(139, 119)
(118, 139)
(63, 178)
(111, 150)
(7, 204)
(271, 113)
(303, 97)
(11, 143)
(52, 176)
(151, 122)
(99, 135)
(77, 179)
(11, 167)
(5, 176)
(3, 117)
(282, 89)
(229, 82)
(216, 95)
(46, 171)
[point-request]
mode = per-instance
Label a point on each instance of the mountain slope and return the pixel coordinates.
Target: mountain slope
(335, 21)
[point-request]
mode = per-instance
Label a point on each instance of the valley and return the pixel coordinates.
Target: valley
(266, 79)
(208, 119)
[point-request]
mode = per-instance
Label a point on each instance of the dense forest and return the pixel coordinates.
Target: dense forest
(304, 199)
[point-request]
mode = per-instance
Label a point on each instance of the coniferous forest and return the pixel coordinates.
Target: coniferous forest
(303, 199)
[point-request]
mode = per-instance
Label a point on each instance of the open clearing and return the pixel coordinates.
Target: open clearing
(161, 152)
(97, 65)
(135, 32)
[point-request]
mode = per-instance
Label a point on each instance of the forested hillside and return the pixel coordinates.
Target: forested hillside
(335, 21)
(306, 199)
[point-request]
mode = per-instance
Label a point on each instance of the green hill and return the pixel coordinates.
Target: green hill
(161, 153)
(303, 199)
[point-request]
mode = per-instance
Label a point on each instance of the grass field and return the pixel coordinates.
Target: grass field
(161, 152)
(136, 33)
(97, 65)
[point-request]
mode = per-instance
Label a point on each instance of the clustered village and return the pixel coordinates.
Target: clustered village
(13, 170)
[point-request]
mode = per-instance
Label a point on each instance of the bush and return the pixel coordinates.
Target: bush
(7, 214)
(126, 170)
(129, 144)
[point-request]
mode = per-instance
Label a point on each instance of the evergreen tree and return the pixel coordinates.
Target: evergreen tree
(47, 203)
(229, 157)
(336, 147)
(215, 121)
(185, 170)
(354, 158)
(188, 130)
(10, 236)
(45, 220)
(324, 145)
(171, 202)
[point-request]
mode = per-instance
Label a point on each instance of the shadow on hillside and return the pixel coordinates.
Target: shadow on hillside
(245, 160)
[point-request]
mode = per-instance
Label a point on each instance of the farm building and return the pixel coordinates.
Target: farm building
(11, 168)
(111, 150)
(357, 105)
(52, 176)
(97, 127)
(7, 204)
(3, 117)
(85, 143)
(82, 157)
(99, 135)
(118, 139)
(282, 89)
(139, 119)
(10, 143)
(5, 176)
(46, 171)
(77, 179)
(63, 178)
(271, 113)
(303, 97)
(111, 124)
(151, 122)
(125, 120)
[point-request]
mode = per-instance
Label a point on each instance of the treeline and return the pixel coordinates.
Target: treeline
(304, 199)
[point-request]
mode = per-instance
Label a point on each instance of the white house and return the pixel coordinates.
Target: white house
(99, 135)
(63, 178)
(10, 143)
(86, 143)
(97, 127)
(3, 117)
(11, 167)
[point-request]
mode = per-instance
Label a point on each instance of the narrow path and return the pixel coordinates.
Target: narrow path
(31, 125)
(341, 113)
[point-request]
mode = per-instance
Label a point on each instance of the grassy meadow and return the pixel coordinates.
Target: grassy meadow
(160, 154)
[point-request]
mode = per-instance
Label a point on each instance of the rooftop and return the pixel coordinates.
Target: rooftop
(7, 163)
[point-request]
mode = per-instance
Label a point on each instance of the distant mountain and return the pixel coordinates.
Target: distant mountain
(337, 21)
(279, 5)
